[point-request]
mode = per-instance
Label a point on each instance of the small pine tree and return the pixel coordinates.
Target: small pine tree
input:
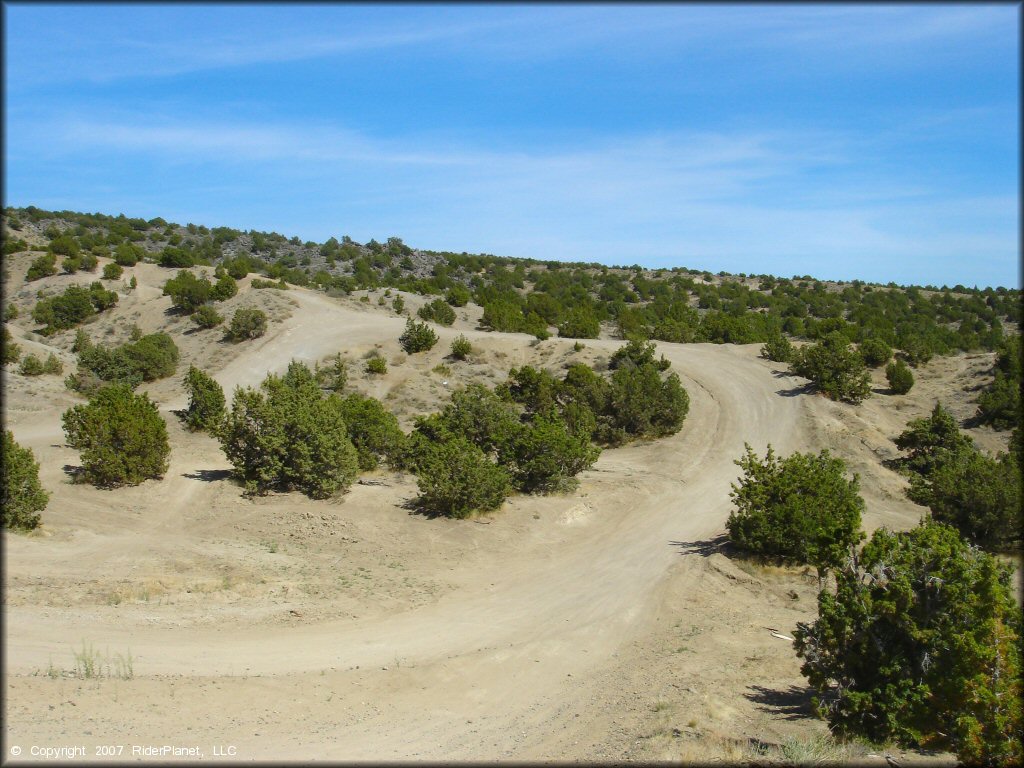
(875, 352)
(207, 317)
(287, 435)
(335, 376)
(373, 430)
(778, 349)
(112, 271)
(900, 377)
(461, 348)
(920, 644)
(121, 435)
(544, 456)
(31, 366)
(10, 351)
(439, 311)
(23, 496)
(205, 401)
(836, 369)
(799, 510)
(456, 479)
(417, 337)
(247, 323)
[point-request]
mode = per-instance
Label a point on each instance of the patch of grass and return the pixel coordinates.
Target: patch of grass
(820, 749)
(442, 369)
(91, 664)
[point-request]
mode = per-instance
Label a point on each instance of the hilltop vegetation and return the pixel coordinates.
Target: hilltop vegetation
(540, 297)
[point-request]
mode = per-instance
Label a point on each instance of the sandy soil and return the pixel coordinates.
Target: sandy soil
(600, 625)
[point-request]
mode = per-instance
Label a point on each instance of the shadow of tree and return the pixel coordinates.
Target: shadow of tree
(208, 475)
(803, 389)
(706, 547)
(792, 703)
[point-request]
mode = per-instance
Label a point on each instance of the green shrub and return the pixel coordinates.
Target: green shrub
(636, 353)
(121, 436)
(535, 389)
(23, 496)
(224, 288)
(580, 323)
(643, 405)
(374, 431)
(836, 369)
(88, 262)
(128, 254)
(544, 456)
(481, 417)
(14, 246)
(799, 510)
(417, 337)
(288, 436)
(999, 405)
(398, 305)
(899, 376)
(65, 245)
(11, 312)
(457, 296)
(978, 495)
(247, 323)
(76, 305)
(456, 479)
(53, 365)
(930, 441)
(461, 348)
(920, 645)
(154, 356)
(147, 359)
(334, 376)
(31, 366)
(176, 258)
(875, 352)
(439, 311)
(376, 364)
(70, 264)
(112, 271)
(42, 266)
(11, 351)
(280, 285)
(778, 349)
(206, 404)
(207, 317)
(188, 292)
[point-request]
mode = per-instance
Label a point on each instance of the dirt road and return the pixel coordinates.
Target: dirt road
(514, 644)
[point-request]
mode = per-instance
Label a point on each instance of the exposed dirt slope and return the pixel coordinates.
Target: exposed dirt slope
(353, 629)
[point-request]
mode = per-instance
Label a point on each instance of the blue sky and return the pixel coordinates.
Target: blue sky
(841, 141)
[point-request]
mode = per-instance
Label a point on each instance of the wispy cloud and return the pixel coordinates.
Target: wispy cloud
(182, 40)
(738, 201)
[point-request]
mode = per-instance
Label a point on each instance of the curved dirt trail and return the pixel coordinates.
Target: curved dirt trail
(492, 647)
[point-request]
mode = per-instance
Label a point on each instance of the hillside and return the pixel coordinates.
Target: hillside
(600, 623)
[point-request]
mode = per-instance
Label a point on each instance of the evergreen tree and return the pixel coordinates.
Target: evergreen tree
(206, 403)
(921, 645)
(800, 509)
(121, 435)
(23, 496)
